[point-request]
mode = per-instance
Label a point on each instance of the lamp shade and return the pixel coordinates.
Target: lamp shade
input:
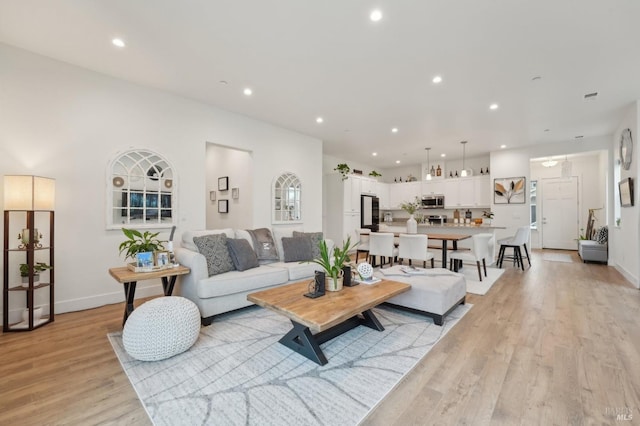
(24, 192)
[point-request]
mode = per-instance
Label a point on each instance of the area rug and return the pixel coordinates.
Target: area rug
(557, 257)
(238, 374)
(474, 285)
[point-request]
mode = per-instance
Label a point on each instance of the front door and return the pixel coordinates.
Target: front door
(560, 213)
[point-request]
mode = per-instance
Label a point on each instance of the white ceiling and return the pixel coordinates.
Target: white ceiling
(326, 58)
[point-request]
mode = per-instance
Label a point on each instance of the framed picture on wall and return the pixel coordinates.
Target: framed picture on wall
(223, 206)
(223, 183)
(509, 190)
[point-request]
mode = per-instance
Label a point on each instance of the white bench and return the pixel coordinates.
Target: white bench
(434, 294)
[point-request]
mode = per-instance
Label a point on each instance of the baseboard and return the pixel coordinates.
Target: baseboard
(90, 302)
(628, 276)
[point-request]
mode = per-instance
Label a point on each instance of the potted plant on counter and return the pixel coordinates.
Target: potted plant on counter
(411, 207)
(487, 216)
(333, 265)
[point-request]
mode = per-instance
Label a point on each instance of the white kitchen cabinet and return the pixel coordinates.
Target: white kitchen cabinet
(466, 192)
(351, 191)
(433, 187)
(368, 186)
(403, 192)
(382, 192)
(483, 191)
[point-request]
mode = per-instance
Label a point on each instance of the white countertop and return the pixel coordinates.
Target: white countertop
(470, 226)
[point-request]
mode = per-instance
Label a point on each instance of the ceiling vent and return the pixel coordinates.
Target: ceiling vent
(590, 96)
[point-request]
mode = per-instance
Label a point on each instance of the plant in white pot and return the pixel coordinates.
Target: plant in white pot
(333, 265)
(37, 268)
(411, 208)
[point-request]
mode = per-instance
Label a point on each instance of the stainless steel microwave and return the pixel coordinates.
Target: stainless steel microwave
(433, 201)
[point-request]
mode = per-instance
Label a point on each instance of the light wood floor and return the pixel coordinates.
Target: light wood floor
(557, 344)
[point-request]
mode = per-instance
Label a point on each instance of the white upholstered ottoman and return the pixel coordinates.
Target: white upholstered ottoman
(435, 294)
(161, 328)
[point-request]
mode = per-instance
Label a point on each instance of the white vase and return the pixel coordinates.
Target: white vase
(412, 225)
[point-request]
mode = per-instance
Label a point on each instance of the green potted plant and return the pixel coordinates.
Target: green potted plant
(487, 216)
(37, 268)
(374, 174)
(333, 265)
(344, 170)
(138, 242)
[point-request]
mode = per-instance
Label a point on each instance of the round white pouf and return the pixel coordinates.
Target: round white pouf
(161, 328)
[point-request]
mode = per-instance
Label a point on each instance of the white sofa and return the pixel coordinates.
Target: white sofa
(228, 291)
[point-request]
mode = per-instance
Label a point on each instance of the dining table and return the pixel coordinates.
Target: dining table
(445, 238)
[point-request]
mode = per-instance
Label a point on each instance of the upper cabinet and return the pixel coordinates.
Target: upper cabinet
(467, 192)
(433, 187)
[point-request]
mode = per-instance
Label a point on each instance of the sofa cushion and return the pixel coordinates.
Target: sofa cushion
(187, 236)
(214, 248)
(263, 244)
(242, 254)
(297, 271)
(297, 249)
(284, 231)
(233, 282)
(315, 238)
(602, 235)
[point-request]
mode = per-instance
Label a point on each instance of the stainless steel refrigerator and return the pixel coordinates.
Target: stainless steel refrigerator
(369, 212)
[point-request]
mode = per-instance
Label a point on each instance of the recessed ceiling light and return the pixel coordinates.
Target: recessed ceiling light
(374, 154)
(375, 15)
(397, 161)
(247, 91)
(394, 130)
(443, 155)
(319, 120)
(118, 42)
(437, 79)
(493, 106)
(503, 146)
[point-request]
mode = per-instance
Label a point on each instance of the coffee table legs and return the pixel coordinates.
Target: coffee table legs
(130, 294)
(300, 339)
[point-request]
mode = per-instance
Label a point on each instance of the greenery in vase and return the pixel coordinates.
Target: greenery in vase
(488, 215)
(37, 268)
(333, 266)
(411, 207)
(343, 169)
(138, 242)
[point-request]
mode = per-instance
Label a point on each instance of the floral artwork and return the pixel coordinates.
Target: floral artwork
(509, 190)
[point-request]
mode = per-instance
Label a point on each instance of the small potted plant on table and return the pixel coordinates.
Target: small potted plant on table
(138, 242)
(333, 266)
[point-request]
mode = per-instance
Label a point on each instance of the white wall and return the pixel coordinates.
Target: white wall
(624, 240)
(515, 162)
(64, 122)
(591, 189)
(237, 165)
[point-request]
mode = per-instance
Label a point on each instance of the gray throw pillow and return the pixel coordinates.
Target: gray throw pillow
(214, 248)
(315, 238)
(297, 249)
(264, 245)
(242, 254)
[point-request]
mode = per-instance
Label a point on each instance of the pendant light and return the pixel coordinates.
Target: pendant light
(431, 172)
(465, 171)
(549, 163)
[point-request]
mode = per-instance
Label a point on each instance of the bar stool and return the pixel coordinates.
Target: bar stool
(520, 239)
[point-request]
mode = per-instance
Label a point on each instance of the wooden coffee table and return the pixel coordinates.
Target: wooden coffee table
(327, 316)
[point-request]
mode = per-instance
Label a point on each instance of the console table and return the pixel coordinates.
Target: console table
(129, 279)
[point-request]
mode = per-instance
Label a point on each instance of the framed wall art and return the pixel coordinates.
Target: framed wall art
(223, 206)
(509, 190)
(223, 183)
